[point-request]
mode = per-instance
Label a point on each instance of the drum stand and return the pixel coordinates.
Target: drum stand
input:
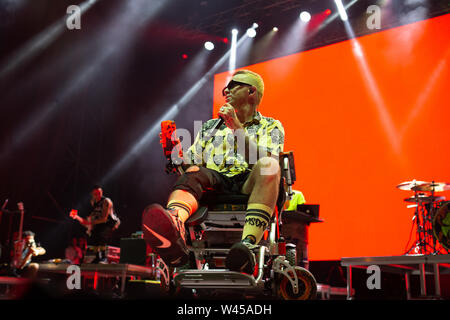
(425, 241)
(427, 207)
(419, 247)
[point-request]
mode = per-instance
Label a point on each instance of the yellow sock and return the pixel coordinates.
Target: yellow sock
(184, 209)
(257, 220)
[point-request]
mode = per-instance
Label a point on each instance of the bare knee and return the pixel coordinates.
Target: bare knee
(268, 168)
(193, 169)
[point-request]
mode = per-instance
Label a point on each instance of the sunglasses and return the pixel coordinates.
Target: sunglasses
(232, 84)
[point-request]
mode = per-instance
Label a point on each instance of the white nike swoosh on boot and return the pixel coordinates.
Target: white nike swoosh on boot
(165, 243)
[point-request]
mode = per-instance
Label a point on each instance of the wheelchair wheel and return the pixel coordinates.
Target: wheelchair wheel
(307, 286)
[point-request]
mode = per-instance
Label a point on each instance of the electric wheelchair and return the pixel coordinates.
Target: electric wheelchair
(216, 226)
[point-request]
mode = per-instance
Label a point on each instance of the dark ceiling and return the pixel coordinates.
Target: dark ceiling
(73, 103)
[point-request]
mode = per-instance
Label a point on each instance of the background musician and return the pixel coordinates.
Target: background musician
(24, 266)
(100, 224)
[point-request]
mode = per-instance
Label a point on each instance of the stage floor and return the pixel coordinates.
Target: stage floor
(430, 273)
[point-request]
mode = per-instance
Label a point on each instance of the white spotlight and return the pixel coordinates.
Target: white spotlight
(209, 45)
(341, 10)
(251, 32)
(275, 29)
(233, 50)
(255, 25)
(305, 16)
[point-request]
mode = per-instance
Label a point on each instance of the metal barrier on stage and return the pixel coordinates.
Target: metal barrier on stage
(407, 265)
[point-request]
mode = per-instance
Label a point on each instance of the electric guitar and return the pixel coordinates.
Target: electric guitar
(87, 223)
(171, 146)
(18, 244)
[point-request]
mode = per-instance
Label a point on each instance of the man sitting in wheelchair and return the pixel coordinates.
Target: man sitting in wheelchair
(240, 158)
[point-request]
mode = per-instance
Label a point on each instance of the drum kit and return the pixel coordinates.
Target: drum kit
(431, 215)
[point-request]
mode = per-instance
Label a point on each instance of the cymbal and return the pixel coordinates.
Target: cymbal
(432, 186)
(422, 198)
(408, 185)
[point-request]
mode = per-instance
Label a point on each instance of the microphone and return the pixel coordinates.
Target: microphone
(217, 124)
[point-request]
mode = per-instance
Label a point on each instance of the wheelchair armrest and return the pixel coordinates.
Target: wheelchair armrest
(287, 166)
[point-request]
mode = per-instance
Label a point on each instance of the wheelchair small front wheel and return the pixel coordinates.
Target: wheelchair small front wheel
(307, 286)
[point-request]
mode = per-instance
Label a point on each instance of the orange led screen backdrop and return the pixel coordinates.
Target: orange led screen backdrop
(361, 117)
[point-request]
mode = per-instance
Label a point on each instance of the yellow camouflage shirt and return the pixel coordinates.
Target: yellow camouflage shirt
(220, 152)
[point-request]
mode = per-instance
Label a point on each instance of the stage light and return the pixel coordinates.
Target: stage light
(184, 56)
(332, 16)
(209, 45)
(251, 32)
(255, 25)
(275, 29)
(341, 10)
(291, 40)
(232, 60)
(305, 16)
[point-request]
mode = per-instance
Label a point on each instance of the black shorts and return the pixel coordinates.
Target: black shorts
(101, 234)
(210, 181)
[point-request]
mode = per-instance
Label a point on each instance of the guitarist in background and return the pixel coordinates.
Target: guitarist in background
(100, 224)
(24, 266)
